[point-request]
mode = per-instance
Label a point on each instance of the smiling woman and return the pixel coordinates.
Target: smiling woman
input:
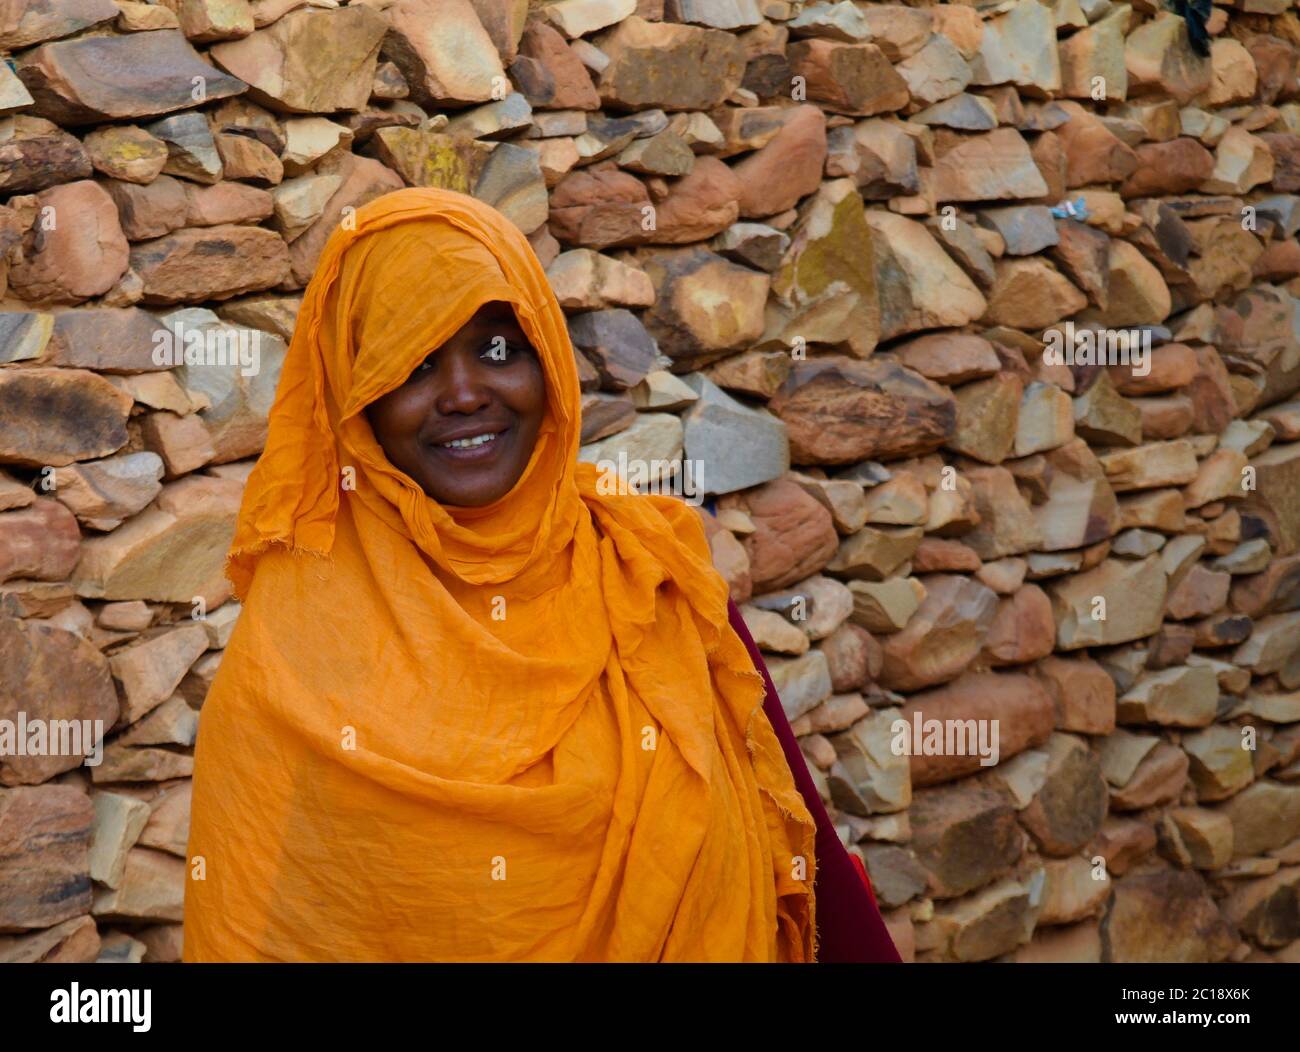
(464, 423)
(476, 709)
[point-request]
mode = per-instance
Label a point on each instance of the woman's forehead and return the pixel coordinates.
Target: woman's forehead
(497, 312)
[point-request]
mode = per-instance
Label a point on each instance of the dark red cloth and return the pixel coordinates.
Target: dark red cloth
(849, 926)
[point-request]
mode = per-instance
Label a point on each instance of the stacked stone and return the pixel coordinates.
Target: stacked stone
(812, 256)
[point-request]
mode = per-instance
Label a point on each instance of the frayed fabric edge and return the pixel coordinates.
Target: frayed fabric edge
(249, 554)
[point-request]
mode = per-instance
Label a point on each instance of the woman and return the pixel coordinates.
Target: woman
(474, 710)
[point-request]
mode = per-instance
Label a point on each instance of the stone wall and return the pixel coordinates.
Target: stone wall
(819, 255)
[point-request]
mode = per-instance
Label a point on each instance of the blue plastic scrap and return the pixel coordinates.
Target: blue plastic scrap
(1077, 209)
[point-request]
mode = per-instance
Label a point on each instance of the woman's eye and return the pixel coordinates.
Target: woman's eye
(499, 349)
(421, 369)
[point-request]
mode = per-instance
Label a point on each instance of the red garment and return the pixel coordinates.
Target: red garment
(849, 926)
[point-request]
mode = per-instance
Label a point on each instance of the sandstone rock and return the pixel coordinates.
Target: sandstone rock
(848, 78)
(654, 441)
(152, 888)
(825, 291)
(838, 411)
(1175, 167)
(1158, 778)
(118, 822)
(1094, 153)
(896, 877)
(965, 836)
(987, 416)
(171, 552)
(994, 166)
(936, 72)
(989, 923)
(1020, 48)
(150, 672)
(869, 777)
(1006, 524)
(1241, 162)
(853, 657)
(1123, 842)
(885, 606)
(1046, 419)
(1083, 255)
(1029, 294)
(1072, 892)
(705, 306)
(1150, 466)
(1272, 646)
(901, 501)
(74, 260)
(899, 31)
(1133, 595)
(1165, 917)
(962, 112)
(1105, 418)
(1004, 576)
(600, 208)
(919, 285)
(1097, 51)
(1017, 704)
(1080, 507)
(1196, 837)
(94, 78)
(874, 554)
(38, 542)
(191, 149)
(1082, 693)
(793, 537)
(309, 61)
(1068, 810)
(1022, 630)
(604, 415)
(549, 73)
(942, 637)
(52, 676)
(803, 682)
(1184, 696)
(787, 168)
(672, 67)
(1200, 593)
(56, 416)
(878, 155)
(74, 941)
(698, 205)
(101, 493)
(298, 202)
(1265, 910)
(838, 21)
(44, 843)
(949, 358)
(181, 266)
(1264, 816)
(734, 446)
(126, 152)
(1160, 60)
(244, 157)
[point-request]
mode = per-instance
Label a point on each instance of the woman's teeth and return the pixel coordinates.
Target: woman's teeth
(470, 443)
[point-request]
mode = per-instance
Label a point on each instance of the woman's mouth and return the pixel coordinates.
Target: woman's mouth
(477, 447)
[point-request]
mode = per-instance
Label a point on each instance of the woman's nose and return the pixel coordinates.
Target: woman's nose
(462, 389)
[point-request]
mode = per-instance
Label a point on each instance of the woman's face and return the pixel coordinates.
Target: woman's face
(464, 424)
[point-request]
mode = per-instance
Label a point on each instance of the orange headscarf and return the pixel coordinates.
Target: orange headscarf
(521, 732)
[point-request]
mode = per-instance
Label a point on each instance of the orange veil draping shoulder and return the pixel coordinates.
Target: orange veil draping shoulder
(521, 732)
